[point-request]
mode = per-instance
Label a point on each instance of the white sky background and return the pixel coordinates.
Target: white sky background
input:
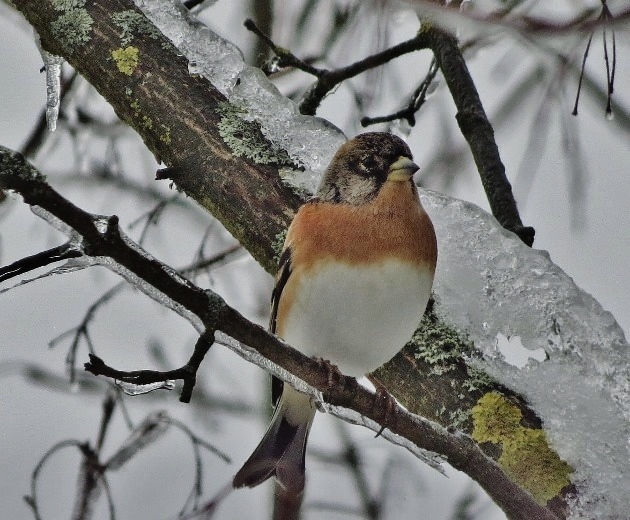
(593, 253)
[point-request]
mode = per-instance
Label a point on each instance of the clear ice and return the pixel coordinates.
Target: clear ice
(488, 285)
(52, 67)
(309, 141)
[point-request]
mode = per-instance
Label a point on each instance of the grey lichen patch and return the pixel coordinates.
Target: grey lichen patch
(67, 5)
(13, 163)
(245, 139)
(444, 349)
(277, 245)
(442, 352)
(459, 418)
(72, 27)
(134, 24)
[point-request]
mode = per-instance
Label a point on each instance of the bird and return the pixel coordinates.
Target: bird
(354, 278)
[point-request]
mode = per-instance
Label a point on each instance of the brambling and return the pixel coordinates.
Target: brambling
(354, 279)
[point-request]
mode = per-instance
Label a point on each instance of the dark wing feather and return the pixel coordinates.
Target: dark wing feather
(284, 272)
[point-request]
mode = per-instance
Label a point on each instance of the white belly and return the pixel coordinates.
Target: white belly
(358, 317)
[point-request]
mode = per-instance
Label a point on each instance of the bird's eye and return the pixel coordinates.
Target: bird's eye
(368, 163)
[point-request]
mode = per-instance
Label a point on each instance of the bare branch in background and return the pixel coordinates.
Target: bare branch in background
(606, 18)
(416, 100)
(327, 80)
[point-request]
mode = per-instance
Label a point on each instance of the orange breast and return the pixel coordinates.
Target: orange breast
(393, 224)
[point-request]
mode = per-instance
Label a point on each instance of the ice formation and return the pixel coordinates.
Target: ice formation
(52, 67)
(489, 285)
(247, 87)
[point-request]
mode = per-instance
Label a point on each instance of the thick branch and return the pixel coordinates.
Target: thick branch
(460, 450)
(182, 130)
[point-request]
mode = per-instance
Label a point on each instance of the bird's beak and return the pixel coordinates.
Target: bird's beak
(402, 169)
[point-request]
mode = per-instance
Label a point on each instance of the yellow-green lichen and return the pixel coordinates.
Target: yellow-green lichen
(135, 104)
(126, 59)
(165, 136)
(245, 139)
(132, 24)
(147, 122)
(495, 418)
(72, 27)
(526, 456)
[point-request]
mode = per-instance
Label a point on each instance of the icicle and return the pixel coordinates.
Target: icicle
(52, 66)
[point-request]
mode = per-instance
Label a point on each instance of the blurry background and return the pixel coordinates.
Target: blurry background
(571, 177)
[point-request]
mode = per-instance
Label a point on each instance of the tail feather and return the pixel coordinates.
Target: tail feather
(281, 452)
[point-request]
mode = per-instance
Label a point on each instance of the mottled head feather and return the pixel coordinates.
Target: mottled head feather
(359, 168)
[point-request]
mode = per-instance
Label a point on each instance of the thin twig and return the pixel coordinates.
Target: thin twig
(327, 80)
(417, 99)
(187, 372)
(30, 263)
(579, 88)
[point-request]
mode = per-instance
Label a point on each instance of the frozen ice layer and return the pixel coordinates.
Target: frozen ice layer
(52, 67)
(309, 141)
(489, 285)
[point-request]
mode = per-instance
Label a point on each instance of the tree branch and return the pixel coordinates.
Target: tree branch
(327, 80)
(30, 263)
(168, 122)
(478, 131)
(460, 450)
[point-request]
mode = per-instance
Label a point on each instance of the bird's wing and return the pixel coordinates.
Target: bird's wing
(284, 272)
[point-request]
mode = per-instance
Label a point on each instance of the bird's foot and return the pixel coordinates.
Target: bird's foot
(385, 403)
(333, 374)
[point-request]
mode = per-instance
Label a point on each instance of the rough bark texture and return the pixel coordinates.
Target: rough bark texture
(177, 115)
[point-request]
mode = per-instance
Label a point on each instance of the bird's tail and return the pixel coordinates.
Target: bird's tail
(281, 451)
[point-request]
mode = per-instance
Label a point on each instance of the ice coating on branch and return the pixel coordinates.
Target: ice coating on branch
(489, 283)
(348, 415)
(52, 67)
(133, 390)
(309, 141)
(102, 223)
